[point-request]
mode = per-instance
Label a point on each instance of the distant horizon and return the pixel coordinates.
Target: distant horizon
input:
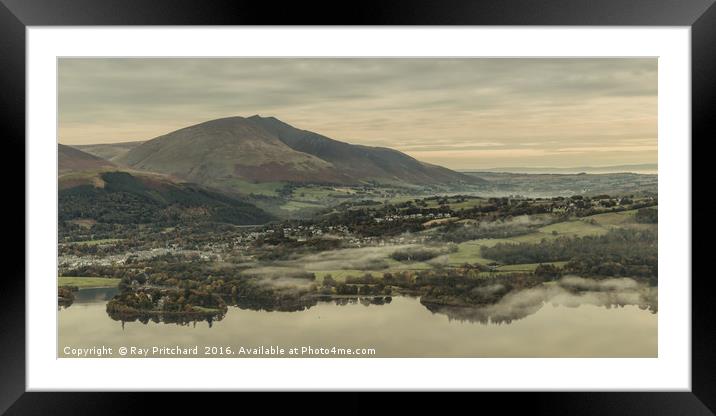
(458, 113)
(646, 168)
(641, 168)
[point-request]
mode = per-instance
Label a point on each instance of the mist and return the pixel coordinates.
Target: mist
(570, 291)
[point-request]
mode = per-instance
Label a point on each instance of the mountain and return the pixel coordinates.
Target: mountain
(70, 159)
(96, 190)
(228, 148)
(108, 151)
(360, 162)
(226, 152)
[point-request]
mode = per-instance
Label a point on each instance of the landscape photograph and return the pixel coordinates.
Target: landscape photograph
(357, 207)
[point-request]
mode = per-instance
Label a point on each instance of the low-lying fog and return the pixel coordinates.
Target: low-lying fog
(570, 291)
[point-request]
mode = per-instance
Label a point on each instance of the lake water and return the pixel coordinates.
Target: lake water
(529, 325)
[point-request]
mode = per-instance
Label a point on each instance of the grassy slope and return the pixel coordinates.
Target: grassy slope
(225, 142)
(299, 205)
(247, 187)
(572, 228)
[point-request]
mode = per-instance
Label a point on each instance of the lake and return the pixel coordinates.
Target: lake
(535, 323)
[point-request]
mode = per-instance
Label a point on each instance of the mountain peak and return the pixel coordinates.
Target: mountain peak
(223, 152)
(220, 151)
(221, 120)
(258, 117)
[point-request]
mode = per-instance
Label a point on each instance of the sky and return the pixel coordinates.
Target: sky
(461, 113)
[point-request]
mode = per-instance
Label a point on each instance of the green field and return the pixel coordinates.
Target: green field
(245, 187)
(620, 220)
(87, 282)
(298, 205)
(397, 199)
(614, 218)
(316, 193)
(469, 251)
(527, 267)
(571, 228)
(470, 203)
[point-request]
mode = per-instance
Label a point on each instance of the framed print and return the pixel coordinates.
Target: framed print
(456, 198)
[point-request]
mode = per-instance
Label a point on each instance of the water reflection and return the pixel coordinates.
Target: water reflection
(95, 294)
(542, 324)
(264, 305)
(569, 292)
(183, 319)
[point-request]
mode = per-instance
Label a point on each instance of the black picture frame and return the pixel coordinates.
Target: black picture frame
(15, 15)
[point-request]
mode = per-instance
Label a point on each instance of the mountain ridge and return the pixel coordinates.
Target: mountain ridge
(358, 159)
(223, 152)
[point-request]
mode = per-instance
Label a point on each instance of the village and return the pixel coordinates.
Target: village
(411, 222)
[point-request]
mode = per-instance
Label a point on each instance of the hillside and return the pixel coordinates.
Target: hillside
(361, 162)
(94, 190)
(124, 198)
(70, 159)
(227, 152)
(224, 149)
(108, 151)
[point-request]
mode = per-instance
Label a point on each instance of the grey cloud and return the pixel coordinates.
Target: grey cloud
(420, 103)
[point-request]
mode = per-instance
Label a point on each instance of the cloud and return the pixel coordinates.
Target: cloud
(417, 104)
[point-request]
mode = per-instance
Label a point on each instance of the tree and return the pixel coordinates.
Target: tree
(549, 271)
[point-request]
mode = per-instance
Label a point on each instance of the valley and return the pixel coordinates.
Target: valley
(251, 213)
